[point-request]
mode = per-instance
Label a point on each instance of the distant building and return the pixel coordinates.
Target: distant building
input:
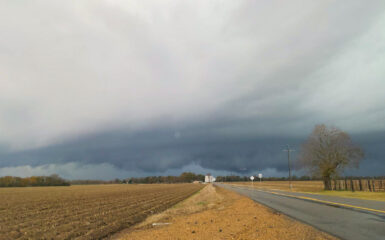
(209, 178)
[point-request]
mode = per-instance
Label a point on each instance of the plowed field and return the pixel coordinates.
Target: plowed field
(82, 212)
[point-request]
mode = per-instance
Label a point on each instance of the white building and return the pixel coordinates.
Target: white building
(209, 178)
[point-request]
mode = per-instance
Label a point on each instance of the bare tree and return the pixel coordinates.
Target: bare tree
(327, 152)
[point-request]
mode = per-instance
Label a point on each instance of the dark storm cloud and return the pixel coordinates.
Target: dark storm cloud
(154, 86)
(158, 150)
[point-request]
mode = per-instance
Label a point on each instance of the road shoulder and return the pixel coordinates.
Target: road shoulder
(216, 213)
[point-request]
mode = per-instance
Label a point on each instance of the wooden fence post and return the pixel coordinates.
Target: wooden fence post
(374, 185)
(369, 185)
(360, 184)
(346, 184)
(352, 184)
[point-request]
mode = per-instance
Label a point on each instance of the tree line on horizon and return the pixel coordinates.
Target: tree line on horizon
(234, 178)
(34, 181)
(186, 177)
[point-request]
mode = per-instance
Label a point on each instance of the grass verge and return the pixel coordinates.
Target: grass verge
(216, 213)
(377, 196)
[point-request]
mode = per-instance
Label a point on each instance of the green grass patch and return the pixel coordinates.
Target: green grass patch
(180, 204)
(202, 203)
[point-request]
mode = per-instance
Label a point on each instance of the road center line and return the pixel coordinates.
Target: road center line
(323, 201)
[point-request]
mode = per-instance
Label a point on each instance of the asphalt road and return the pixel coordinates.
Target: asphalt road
(347, 218)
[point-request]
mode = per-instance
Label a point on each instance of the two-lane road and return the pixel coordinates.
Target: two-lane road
(345, 218)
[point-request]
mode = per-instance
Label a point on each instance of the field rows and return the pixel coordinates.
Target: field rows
(82, 212)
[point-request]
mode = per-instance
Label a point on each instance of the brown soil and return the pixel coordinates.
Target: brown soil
(216, 213)
(83, 212)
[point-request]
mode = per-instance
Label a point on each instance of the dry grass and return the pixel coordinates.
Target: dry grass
(82, 212)
(313, 187)
(378, 196)
(224, 215)
(299, 186)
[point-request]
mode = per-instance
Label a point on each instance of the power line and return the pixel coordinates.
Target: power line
(288, 150)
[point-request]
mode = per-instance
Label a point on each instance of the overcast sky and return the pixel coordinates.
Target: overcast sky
(105, 89)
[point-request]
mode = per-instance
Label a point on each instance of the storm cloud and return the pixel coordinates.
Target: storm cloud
(160, 87)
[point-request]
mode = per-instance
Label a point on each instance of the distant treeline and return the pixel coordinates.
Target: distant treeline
(91, 182)
(186, 177)
(53, 180)
(233, 178)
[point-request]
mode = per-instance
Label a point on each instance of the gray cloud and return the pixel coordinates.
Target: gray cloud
(154, 86)
(157, 151)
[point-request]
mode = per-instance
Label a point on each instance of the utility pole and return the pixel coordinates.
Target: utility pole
(288, 150)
